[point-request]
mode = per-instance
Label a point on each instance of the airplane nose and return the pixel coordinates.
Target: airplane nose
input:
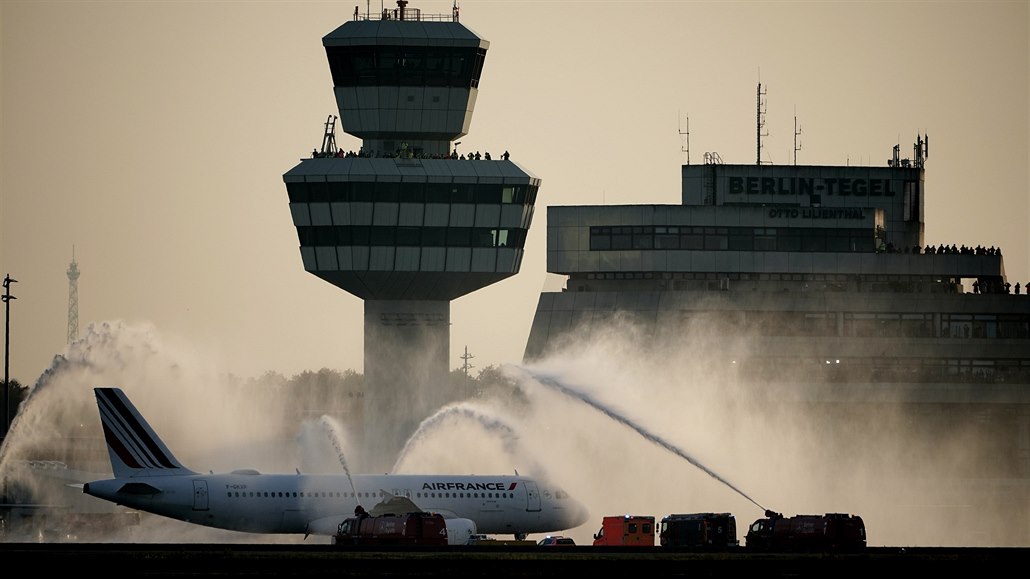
(577, 515)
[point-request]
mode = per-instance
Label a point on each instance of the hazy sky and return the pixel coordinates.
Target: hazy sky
(152, 136)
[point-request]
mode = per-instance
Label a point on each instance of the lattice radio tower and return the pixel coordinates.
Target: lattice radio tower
(73, 299)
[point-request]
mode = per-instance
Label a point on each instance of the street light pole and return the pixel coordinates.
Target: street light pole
(7, 297)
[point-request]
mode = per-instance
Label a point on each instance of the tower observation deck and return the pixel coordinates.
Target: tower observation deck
(404, 223)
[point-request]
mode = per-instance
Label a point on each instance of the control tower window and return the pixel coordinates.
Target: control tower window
(360, 235)
(406, 65)
(411, 67)
(324, 236)
(386, 67)
(459, 236)
(512, 194)
(362, 191)
(488, 194)
(407, 236)
(382, 236)
(298, 192)
(463, 193)
(318, 191)
(413, 193)
(387, 191)
(339, 191)
(434, 236)
(483, 237)
(438, 193)
(434, 65)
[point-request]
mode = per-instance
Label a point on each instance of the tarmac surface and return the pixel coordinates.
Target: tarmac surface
(220, 560)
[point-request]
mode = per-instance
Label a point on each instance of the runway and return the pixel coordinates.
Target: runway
(211, 560)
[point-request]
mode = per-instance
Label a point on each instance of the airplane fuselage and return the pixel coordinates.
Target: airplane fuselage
(317, 503)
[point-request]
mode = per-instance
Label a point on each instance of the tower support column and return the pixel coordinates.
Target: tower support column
(407, 345)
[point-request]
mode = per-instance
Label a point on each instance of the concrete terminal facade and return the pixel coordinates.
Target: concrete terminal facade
(814, 284)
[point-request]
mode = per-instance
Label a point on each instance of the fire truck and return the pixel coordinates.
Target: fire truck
(827, 532)
(390, 529)
(698, 530)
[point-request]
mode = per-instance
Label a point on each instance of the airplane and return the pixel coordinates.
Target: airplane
(148, 478)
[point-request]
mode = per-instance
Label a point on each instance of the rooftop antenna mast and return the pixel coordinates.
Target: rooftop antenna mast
(797, 133)
(685, 137)
(921, 150)
(760, 120)
(329, 138)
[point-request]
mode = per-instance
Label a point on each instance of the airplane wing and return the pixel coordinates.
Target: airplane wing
(391, 505)
(325, 525)
(394, 505)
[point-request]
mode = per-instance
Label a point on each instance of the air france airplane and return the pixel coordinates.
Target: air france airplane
(148, 478)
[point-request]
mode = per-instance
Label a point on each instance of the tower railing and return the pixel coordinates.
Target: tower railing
(407, 14)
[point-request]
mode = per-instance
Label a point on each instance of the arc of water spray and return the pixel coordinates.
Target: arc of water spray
(334, 438)
(553, 383)
(492, 424)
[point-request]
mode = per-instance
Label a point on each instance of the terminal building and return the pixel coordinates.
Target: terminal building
(815, 284)
(406, 223)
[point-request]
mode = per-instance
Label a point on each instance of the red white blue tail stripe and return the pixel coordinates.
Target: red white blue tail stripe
(134, 447)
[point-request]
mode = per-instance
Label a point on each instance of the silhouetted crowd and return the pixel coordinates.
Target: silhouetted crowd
(979, 286)
(944, 250)
(404, 154)
(992, 287)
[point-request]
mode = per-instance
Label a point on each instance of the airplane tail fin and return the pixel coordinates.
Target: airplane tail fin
(133, 446)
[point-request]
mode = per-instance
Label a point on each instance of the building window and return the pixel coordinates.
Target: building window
(600, 238)
(643, 238)
(716, 238)
(622, 237)
(666, 238)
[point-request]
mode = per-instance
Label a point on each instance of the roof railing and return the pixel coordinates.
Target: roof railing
(402, 12)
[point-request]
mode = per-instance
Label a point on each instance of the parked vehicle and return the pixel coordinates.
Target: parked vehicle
(626, 530)
(556, 541)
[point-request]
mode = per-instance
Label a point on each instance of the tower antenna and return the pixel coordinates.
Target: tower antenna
(797, 133)
(685, 137)
(760, 121)
(329, 137)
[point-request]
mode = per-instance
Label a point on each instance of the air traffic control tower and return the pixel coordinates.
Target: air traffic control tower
(404, 223)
